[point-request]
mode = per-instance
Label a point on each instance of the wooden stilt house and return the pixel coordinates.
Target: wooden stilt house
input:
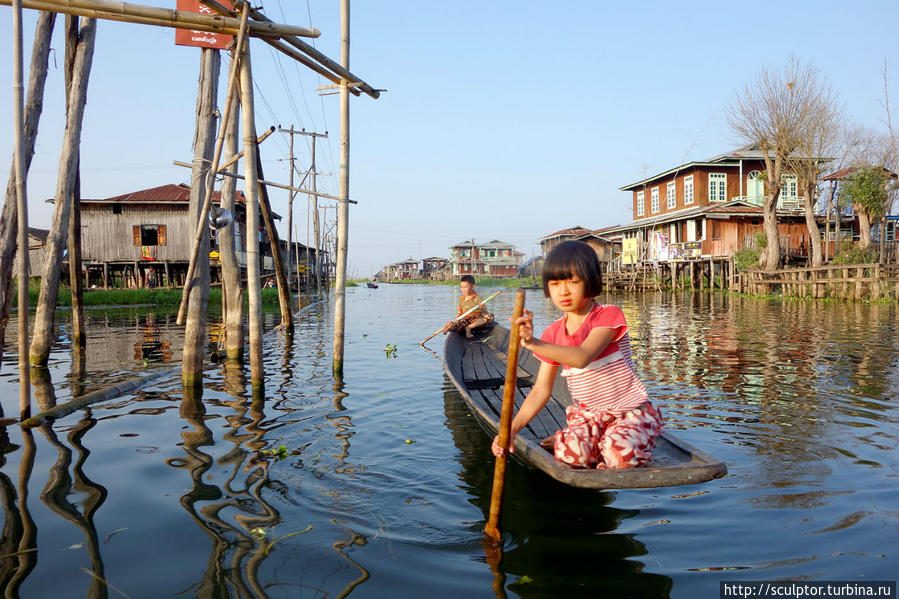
(143, 238)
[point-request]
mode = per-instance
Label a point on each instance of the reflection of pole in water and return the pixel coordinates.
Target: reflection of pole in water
(205, 502)
(60, 486)
(355, 540)
(22, 522)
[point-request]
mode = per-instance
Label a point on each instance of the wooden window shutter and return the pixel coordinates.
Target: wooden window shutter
(135, 232)
(160, 234)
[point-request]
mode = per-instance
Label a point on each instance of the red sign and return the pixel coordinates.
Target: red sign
(203, 39)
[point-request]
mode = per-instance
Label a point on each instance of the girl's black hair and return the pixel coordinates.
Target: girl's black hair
(467, 279)
(573, 258)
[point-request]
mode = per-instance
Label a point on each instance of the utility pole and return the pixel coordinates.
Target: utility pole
(314, 195)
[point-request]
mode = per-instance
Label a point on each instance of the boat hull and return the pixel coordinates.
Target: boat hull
(477, 368)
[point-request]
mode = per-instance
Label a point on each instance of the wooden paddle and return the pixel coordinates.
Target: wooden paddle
(505, 423)
(459, 317)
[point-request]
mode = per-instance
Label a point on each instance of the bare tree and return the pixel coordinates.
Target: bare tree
(817, 142)
(775, 111)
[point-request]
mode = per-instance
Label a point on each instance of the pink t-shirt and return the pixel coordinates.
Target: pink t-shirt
(609, 383)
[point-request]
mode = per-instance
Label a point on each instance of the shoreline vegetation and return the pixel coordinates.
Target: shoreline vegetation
(134, 297)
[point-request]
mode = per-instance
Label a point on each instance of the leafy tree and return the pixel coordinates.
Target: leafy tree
(866, 189)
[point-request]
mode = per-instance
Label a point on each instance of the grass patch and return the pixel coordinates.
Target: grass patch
(134, 297)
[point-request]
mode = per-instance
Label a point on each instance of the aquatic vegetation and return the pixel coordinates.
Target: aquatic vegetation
(390, 350)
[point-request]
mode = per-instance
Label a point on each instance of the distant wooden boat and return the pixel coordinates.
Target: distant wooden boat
(371, 285)
(477, 367)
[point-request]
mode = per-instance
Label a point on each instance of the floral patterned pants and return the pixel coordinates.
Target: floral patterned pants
(607, 440)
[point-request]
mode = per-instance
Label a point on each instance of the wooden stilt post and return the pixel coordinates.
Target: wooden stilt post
(343, 207)
(56, 240)
(9, 227)
(168, 275)
(193, 354)
(254, 292)
(232, 294)
(283, 282)
(76, 277)
(202, 227)
(106, 275)
(22, 208)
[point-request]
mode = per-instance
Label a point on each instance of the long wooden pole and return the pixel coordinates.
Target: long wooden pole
(194, 350)
(56, 240)
(40, 52)
(22, 207)
(505, 423)
(76, 274)
(458, 318)
(232, 303)
(202, 226)
(164, 17)
(274, 241)
(342, 70)
(343, 207)
(254, 291)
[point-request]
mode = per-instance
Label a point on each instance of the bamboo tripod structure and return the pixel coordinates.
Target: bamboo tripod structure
(250, 24)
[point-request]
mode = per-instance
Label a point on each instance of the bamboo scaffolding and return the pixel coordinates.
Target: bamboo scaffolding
(165, 17)
(210, 175)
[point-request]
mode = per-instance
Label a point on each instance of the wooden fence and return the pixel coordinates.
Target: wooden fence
(844, 281)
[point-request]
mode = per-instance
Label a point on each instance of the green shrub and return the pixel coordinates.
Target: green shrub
(851, 254)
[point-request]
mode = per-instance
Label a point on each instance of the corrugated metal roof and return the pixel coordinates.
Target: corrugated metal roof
(166, 194)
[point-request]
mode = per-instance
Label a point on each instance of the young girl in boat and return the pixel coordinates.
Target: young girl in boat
(468, 300)
(612, 423)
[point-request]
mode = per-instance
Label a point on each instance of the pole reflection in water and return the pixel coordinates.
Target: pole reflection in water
(19, 528)
(241, 541)
(60, 485)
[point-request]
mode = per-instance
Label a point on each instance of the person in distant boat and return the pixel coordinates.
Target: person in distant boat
(612, 423)
(468, 300)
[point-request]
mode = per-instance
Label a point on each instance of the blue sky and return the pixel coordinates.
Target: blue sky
(502, 120)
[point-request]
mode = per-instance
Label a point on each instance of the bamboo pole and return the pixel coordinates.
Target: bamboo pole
(316, 227)
(22, 211)
(340, 69)
(275, 243)
(76, 274)
(56, 240)
(254, 292)
(232, 295)
(273, 184)
(165, 17)
(209, 181)
(193, 353)
(9, 226)
(505, 423)
(343, 207)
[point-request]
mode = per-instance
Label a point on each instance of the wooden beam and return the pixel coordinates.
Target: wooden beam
(273, 184)
(165, 17)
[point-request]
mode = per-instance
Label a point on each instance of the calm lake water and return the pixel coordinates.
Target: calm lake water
(383, 484)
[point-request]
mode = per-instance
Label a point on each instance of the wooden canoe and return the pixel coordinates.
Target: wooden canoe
(477, 367)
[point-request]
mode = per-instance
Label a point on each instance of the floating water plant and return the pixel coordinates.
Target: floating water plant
(280, 453)
(390, 350)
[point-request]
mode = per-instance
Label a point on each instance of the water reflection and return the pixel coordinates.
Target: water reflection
(60, 485)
